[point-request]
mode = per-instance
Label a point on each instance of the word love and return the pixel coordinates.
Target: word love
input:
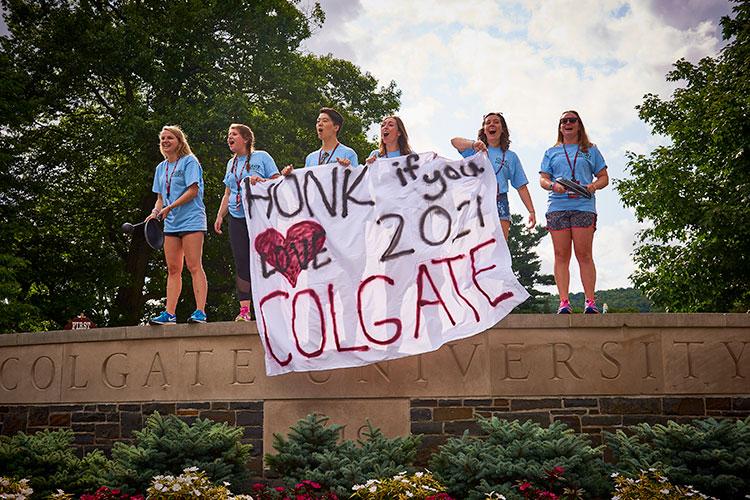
(387, 330)
(291, 254)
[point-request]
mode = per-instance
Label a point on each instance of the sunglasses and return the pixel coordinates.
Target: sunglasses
(568, 120)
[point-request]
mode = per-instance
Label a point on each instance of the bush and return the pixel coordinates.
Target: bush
(712, 455)
(17, 489)
(312, 452)
(418, 486)
(652, 485)
(473, 467)
(167, 445)
(47, 458)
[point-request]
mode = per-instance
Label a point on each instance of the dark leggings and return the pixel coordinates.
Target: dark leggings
(240, 242)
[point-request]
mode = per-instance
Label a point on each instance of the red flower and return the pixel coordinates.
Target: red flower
(556, 471)
(279, 488)
(524, 486)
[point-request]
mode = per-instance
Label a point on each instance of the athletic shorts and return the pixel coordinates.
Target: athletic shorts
(567, 219)
(503, 207)
(180, 234)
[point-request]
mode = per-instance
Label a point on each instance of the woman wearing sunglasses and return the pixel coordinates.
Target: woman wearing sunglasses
(494, 138)
(571, 218)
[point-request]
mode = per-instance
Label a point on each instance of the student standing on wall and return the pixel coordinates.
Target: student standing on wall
(394, 141)
(494, 138)
(571, 218)
(328, 125)
(178, 183)
(257, 166)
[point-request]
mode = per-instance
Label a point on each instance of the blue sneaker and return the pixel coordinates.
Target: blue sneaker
(564, 307)
(163, 319)
(590, 307)
(198, 316)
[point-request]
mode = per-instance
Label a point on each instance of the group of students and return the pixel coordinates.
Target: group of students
(178, 184)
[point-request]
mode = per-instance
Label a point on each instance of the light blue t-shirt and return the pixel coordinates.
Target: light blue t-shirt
(323, 157)
(507, 167)
(261, 165)
(392, 154)
(556, 164)
(171, 180)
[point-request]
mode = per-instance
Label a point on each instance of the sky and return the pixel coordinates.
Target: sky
(455, 61)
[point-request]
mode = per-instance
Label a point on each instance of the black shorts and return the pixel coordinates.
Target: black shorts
(180, 234)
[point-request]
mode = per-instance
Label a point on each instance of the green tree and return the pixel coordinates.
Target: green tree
(87, 86)
(522, 243)
(695, 191)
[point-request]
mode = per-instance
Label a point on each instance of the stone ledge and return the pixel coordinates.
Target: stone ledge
(512, 321)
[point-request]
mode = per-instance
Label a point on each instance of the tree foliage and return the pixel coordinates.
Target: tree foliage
(696, 190)
(88, 85)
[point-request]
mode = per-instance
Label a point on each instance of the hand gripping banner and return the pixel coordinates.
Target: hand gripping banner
(352, 266)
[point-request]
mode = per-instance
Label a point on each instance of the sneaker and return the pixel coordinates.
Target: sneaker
(198, 316)
(244, 314)
(590, 307)
(163, 319)
(564, 307)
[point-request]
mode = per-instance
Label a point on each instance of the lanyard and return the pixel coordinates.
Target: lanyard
(575, 159)
(168, 178)
(502, 162)
(238, 178)
(324, 156)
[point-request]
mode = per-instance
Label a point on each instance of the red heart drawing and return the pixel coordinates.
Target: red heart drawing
(292, 254)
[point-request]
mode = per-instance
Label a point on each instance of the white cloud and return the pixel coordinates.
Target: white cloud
(531, 59)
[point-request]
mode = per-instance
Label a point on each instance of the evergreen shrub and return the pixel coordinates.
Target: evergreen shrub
(712, 455)
(312, 452)
(48, 460)
(168, 445)
(513, 452)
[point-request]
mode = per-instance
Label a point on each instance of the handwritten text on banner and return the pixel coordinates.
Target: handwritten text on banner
(351, 266)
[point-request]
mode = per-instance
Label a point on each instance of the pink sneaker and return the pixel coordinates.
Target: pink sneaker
(244, 314)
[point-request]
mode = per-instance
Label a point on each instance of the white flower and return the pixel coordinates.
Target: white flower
(272, 13)
(357, 487)
(664, 491)
(190, 469)
(614, 474)
(409, 494)
(176, 487)
(373, 489)
(419, 474)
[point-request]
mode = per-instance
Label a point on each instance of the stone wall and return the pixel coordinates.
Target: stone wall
(592, 372)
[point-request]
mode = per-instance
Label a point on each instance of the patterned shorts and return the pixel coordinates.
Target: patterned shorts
(567, 219)
(503, 207)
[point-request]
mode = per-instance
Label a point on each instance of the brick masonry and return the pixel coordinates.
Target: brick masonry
(99, 426)
(440, 419)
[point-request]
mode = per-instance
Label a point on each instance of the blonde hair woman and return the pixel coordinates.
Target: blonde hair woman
(178, 184)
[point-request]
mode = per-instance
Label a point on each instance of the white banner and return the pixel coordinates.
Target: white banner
(351, 266)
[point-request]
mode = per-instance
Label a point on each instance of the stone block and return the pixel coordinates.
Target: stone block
(580, 402)
(534, 404)
(684, 406)
(59, 419)
(718, 403)
(249, 418)
(219, 416)
(106, 431)
(38, 416)
(420, 414)
(444, 414)
(426, 428)
(640, 406)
